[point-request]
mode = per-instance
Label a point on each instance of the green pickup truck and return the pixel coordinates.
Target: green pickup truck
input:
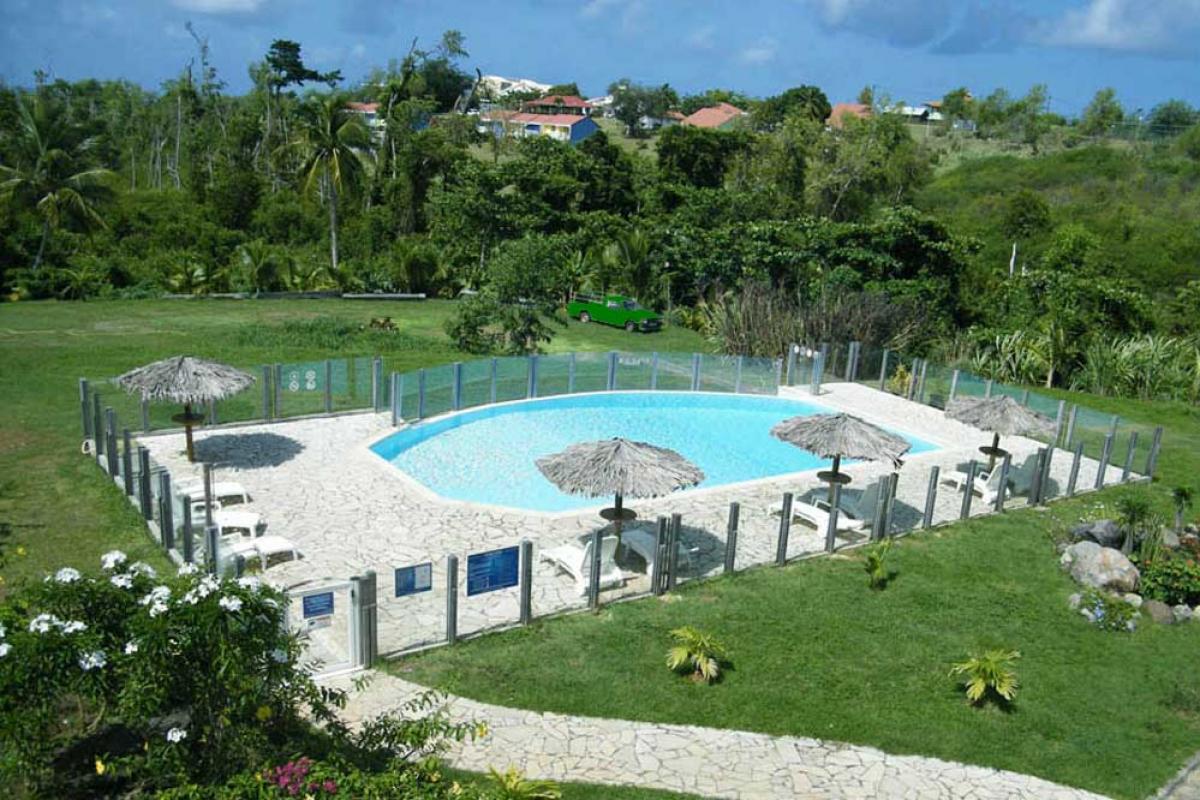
(613, 309)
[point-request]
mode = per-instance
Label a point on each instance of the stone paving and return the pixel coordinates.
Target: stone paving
(704, 761)
(316, 482)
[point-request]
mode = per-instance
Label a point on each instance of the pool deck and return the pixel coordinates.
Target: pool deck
(316, 482)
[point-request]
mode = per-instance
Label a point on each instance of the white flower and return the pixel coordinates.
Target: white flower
(74, 626)
(250, 582)
(158, 608)
(188, 569)
(232, 604)
(122, 581)
(280, 656)
(67, 575)
(3, 632)
(131, 648)
(112, 559)
(42, 623)
(158, 594)
(93, 660)
(142, 568)
(4, 648)
(176, 735)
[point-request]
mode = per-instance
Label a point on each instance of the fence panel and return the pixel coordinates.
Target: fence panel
(512, 378)
(718, 373)
(937, 385)
(591, 372)
(554, 375)
(870, 359)
(411, 599)
(674, 372)
(300, 388)
(760, 376)
(634, 371)
(476, 383)
(970, 385)
(439, 390)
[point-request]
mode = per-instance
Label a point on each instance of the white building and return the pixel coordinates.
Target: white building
(497, 86)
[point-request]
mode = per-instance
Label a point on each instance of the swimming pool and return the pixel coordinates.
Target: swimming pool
(487, 455)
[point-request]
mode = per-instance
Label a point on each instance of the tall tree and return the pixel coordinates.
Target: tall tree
(331, 143)
(1102, 113)
(48, 175)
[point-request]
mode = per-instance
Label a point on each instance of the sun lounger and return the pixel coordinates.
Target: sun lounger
(267, 549)
(641, 541)
(854, 514)
(227, 493)
(986, 485)
(575, 559)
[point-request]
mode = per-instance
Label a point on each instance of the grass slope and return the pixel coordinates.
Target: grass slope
(60, 507)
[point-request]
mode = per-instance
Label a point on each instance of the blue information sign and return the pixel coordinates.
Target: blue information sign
(495, 569)
(318, 605)
(414, 579)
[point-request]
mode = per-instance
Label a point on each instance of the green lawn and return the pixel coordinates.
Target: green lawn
(815, 653)
(61, 508)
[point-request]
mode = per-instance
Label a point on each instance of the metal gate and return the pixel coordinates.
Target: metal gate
(326, 617)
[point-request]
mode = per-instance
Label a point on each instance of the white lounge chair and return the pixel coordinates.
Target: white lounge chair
(267, 549)
(227, 493)
(641, 541)
(575, 559)
(986, 485)
(854, 514)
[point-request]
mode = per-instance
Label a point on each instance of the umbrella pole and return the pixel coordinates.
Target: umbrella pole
(837, 461)
(187, 428)
(619, 505)
(992, 455)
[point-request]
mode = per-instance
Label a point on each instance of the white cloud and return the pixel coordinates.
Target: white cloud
(702, 38)
(761, 52)
(1141, 26)
(220, 6)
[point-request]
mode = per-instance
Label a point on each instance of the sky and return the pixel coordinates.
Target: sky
(910, 50)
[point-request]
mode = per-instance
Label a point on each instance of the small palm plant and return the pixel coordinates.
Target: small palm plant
(1182, 495)
(1134, 511)
(696, 651)
(876, 564)
(512, 785)
(989, 674)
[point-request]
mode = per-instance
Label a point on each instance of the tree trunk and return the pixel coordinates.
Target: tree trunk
(333, 227)
(37, 260)
(178, 135)
(1050, 377)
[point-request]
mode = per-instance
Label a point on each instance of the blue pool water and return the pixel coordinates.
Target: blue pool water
(487, 455)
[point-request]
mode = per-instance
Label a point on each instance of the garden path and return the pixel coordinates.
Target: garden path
(705, 761)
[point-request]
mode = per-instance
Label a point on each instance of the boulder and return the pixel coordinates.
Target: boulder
(1159, 611)
(1134, 600)
(1182, 613)
(1100, 567)
(1103, 532)
(1170, 538)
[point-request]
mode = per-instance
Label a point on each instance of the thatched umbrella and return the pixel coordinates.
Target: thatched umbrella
(619, 467)
(1001, 415)
(186, 380)
(837, 435)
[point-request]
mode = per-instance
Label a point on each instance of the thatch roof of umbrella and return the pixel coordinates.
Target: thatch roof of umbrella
(841, 435)
(620, 467)
(186, 380)
(1000, 415)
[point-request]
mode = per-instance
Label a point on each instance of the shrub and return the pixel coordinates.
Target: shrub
(1107, 611)
(898, 383)
(696, 651)
(512, 785)
(876, 564)
(1172, 578)
(989, 674)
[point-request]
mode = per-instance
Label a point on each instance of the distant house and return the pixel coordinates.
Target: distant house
(920, 115)
(558, 104)
(842, 110)
(722, 116)
(602, 105)
(650, 123)
(376, 124)
(497, 86)
(572, 128)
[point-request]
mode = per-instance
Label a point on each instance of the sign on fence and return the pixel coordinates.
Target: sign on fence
(318, 606)
(415, 579)
(495, 569)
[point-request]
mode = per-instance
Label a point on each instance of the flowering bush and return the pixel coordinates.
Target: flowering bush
(1107, 611)
(1173, 579)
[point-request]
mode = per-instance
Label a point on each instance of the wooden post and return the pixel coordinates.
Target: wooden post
(731, 535)
(931, 496)
(97, 427)
(451, 599)
(785, 524)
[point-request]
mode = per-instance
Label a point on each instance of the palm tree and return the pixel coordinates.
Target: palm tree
(629, 256)
(260, 265)
(331, 142)
(47, 176)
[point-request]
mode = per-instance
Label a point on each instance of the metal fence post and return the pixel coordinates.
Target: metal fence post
(1128, 469)
(1005, 466)
(883, 371)
(127, 461)
(1113, 424)
(817, 368)
(1058, 421)
(987, 388)
(145, 416)
(852, 367)
(911, 392)
(189, 553)
(328, 386)
(695, 372)
(893, 483)
(791, 363)
(676, 530)
(921, 382)
(456, 389)
(1045, 480)
(611, 384)
(145, 496)
(785, 524)
(1105, 455)
(737, 378)
(110, 441)
(968, 490)
(277, 391)
(394, 379)
(85, 408)
(570, 374)
(451, 599)
(1074, 477)
(212, 543)
(654, 370)
(420, 394)
(953, 386)
(265, 386)
(526, 582)
(166, 511)
(377, 383)
(492, 391)
(656, 568)
(731, 535)
(532, 389)
(880, 522)
(593, 596)
(97, 427)
(1071, 425)
(1035, 491)
(931, 497)
(832, 521)
(1152, 457)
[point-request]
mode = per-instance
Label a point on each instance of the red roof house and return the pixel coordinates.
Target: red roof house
(722, 115)
(558, 104)
(841, 110)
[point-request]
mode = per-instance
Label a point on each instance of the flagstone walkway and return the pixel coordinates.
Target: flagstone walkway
(704, 761)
